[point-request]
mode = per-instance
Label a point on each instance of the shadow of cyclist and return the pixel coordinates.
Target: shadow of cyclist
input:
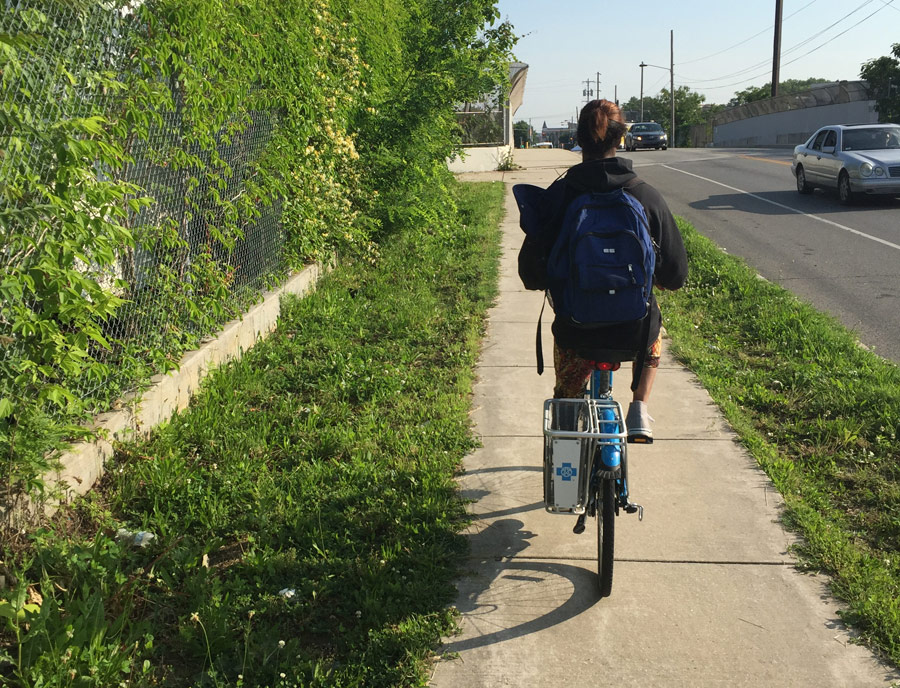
(505, 595)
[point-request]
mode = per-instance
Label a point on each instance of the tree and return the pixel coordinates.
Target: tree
(883, 77)
(688, 111)
(754, 93)
(633, 107)
(522, 132)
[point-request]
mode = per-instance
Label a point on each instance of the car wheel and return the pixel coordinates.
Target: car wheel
(802, 186)
(845, 193)
(665, 148)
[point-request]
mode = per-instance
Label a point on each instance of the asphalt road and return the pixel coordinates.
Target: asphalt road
(842, 260)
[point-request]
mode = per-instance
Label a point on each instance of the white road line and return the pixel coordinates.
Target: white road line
(787, 207)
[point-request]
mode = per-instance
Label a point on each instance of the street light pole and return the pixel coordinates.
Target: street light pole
(672, 86)
(671, 70)
(642, 65)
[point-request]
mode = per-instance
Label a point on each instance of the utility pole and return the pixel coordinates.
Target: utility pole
(587, 92)
(672, 83)
(598, 84)
(776, 59)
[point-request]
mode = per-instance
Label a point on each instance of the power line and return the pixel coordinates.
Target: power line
(831, 26)
(887, 4)
(766, 73)
(758, 65)
(552, 117)
(746, 40)
(560, 83)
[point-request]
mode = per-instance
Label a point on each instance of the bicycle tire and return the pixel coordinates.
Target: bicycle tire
(606, 534)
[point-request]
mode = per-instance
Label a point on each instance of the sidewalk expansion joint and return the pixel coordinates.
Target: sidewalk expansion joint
(647, 560)
(482, 435)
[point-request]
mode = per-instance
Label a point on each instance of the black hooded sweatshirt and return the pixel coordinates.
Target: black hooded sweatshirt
(609, 174)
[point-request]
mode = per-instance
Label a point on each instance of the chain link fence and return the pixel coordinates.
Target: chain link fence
(485, 123)
(181, 277)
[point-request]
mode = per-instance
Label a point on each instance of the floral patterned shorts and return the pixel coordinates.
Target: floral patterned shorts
(572, 371)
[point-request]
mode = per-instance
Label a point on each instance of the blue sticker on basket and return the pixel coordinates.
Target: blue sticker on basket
(567, 471)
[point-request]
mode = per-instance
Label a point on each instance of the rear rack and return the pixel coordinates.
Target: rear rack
(573, 430)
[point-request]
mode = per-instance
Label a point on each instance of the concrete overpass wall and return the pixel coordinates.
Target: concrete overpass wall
(787, 120)
(791, 127)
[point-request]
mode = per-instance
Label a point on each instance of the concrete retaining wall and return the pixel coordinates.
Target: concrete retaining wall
(82, 466)
(479, 159)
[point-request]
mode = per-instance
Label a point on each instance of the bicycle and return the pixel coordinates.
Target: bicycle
(586, 463)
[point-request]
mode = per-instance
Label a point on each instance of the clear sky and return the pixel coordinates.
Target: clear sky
(721, 46)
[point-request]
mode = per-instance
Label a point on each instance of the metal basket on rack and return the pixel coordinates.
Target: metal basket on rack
(574, 431)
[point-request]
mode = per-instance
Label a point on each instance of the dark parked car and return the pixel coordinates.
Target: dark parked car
(646, 135)
(852, 158)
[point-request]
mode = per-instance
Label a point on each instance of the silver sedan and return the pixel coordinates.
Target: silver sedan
(852, 158)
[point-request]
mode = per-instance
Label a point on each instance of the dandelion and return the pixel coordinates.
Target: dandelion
(358, 614)
(280, 644)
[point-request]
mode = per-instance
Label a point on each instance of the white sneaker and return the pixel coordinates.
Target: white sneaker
(637, 420)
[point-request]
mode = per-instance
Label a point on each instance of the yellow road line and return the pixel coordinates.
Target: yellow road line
(754, 157)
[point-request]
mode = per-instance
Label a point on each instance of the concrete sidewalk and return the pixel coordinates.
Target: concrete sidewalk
(705, 592)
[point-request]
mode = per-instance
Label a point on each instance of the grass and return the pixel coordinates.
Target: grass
(306, 519)
(819, 413)
(305, 516)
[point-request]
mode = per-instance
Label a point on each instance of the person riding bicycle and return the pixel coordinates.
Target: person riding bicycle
(600, 129)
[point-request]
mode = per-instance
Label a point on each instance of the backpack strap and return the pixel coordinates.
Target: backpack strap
(538, 344)
(555, 224)
(642, 353)
(641, 359)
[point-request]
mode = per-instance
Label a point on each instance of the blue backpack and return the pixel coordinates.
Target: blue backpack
(600, 269)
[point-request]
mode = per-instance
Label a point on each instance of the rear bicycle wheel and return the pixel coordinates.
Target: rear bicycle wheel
(606, 533)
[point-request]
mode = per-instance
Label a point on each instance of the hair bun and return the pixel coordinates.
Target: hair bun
(600, 127)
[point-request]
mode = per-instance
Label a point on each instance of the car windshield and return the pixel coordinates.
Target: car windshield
(646, 128)
(875, 138)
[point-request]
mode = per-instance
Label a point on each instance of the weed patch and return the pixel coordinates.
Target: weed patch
(304, 514)
(820, 414)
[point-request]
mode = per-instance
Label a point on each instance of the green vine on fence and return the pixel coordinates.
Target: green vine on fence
(162, 162)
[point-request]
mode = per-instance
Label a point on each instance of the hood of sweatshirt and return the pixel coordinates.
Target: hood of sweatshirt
(606, 174)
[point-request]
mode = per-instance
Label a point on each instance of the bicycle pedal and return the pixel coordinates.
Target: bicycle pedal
(635, 508)
(579, 525)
